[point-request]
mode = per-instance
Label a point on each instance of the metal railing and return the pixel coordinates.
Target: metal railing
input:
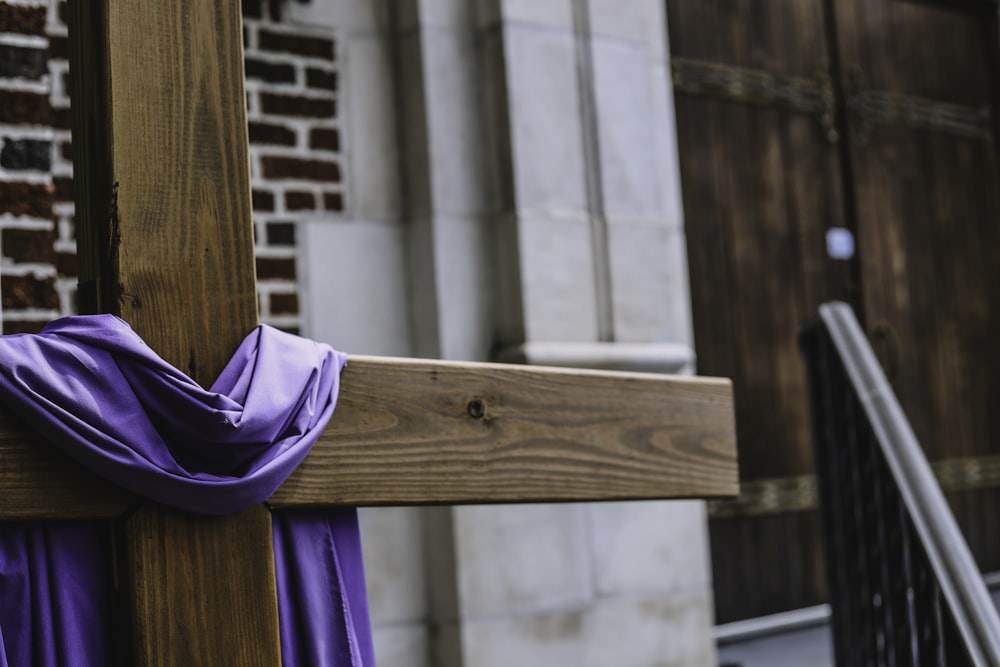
(904, 587)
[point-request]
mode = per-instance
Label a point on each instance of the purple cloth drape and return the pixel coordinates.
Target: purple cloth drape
(98, 393)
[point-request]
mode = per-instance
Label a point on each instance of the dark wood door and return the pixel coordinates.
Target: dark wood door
(807, 127)
(919, 83)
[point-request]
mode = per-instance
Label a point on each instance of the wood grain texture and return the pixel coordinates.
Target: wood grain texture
(169, 246)
(40, 482)
(408, 432)
(206, 567)
(182, 227)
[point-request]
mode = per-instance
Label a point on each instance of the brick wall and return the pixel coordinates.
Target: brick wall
(28, 276)
(294, 145)
(294, 150)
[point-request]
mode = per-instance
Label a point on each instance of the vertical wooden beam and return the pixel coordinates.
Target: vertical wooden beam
(166, 241)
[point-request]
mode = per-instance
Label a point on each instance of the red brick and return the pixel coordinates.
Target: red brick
(29, 245)
(66, 263)
(251, 9)
(33, 154)
(324, 138)
(268, 71)
(333, 201)
(300, 45)
(310, 170)
(262, 200)
(270, 268)
(62, 119)
(23, 108)
(23, 326)
(284, 304)
(296, 105)
(30, 199)
(23, 20)
(21, 292)
(63, 188)
(321, 78)
(58, 47)
(281, 233)
(269, 133)
(23, 61)
(300, 201)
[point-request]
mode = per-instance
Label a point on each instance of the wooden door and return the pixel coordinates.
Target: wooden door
(920, 87)
(794, 147)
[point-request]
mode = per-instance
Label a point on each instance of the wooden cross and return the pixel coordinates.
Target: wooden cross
(165, 240)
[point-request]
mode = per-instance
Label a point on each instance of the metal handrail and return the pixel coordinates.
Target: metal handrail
(975, 618)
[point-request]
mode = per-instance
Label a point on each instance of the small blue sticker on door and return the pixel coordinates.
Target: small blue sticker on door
(839, 243)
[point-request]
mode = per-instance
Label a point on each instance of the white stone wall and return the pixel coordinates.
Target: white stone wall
(511, 176)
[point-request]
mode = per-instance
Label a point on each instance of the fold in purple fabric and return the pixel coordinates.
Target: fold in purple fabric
(93, 388)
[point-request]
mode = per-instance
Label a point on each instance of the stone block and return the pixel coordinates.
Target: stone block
(637, 21)
(354, 282)
(649, 283)
(557, 280)
(548, 14)
(347, 16)
(544, 113)
(666, 631)
(370, 127)
(651, 547)
(453, 122)
(465, 292)
(435, 14)
(520, 559)
(667, 140)
(401, 646)
(535, 640)
(631, 173)
(394, 565)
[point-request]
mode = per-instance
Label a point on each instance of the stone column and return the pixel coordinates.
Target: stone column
(590, 250)
(511, 179)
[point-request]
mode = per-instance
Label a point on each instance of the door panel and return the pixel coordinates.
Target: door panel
(764, 89)
(761, 186)
(925, 171)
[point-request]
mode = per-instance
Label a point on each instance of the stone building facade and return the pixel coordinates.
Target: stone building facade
(457, 179)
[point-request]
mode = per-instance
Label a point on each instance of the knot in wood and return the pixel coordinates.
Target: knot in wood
(476, 408)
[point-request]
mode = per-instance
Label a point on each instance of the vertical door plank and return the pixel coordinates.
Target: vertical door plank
(761, 186)
(166, 241)
(927, 202)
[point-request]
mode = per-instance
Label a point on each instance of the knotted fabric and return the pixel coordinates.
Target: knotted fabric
(94, 389)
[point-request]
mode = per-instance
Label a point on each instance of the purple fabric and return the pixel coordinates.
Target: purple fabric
(96, 391)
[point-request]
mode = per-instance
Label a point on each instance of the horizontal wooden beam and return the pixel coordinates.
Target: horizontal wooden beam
(411, 432)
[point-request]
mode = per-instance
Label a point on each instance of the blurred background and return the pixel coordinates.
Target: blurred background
(659, 185)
